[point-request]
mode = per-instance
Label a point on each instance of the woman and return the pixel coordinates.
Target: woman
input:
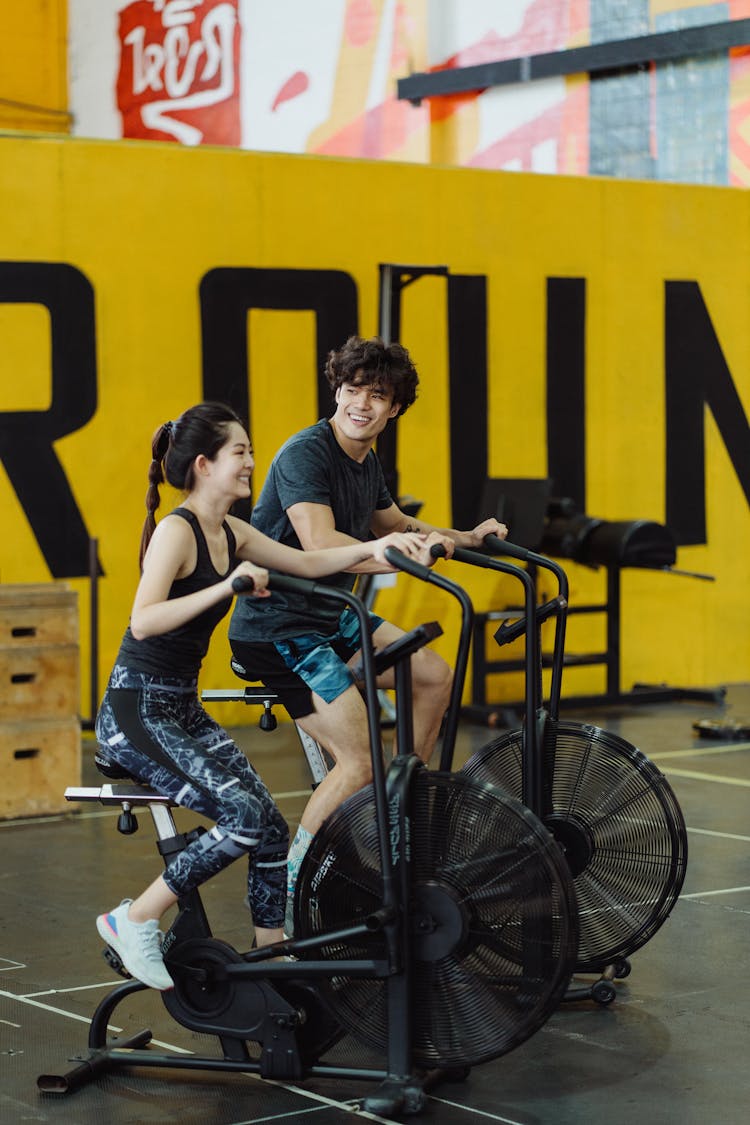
(151, 721)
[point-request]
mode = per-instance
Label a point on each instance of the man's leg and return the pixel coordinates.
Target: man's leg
(340, 726)
(431, 681)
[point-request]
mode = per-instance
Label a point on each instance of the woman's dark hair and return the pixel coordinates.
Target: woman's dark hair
(367, 362)
(174, 448)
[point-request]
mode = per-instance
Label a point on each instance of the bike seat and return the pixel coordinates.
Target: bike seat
(110, 768)
(257, 694)
(238, 669)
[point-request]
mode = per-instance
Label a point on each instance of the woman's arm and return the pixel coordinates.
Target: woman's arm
(170, 555)
(316, 563)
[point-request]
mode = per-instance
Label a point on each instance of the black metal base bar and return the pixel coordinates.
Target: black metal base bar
(508, 714)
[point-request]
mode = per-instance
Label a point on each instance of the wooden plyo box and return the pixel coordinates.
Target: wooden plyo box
(37, 614)
(38, 760)
(40, 681)
(40, 729)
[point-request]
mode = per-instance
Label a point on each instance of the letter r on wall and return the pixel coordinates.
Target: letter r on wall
(27, 436)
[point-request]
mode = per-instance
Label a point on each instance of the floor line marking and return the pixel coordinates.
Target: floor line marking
(51, 1008)
(76, 988)
(697, 752)
(348, 1105)
(722, 891)
(280, 1116)
(86, 1019)
(696, 775)
(719, 835)
(475, 1112)
(170, 1047)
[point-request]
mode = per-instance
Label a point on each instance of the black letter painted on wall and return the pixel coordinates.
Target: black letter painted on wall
(469, 419)
(467, 366)
(696, 376)
(27, 436)
(566, 387)
(228, 294)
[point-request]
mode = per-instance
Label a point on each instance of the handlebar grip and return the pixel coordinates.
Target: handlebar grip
(292, 585)
(403, 562)
(438, 551)
(512, 630)
(242, 583)
(503, 547)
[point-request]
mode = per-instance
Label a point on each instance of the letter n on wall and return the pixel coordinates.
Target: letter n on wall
(696, 377)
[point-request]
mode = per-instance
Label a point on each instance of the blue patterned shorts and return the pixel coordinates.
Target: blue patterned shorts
(313, 662)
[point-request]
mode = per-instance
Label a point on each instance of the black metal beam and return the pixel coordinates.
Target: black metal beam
(617, 55)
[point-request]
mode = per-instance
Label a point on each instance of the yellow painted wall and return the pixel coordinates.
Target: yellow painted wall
(145, 222)
(34, 66)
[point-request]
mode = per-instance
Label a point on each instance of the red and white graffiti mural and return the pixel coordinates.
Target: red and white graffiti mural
(178, 78)
(295, 76)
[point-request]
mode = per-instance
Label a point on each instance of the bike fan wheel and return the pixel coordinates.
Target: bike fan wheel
(618, 823)
(492, 919)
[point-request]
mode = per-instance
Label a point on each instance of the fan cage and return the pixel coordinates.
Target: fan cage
(497, 869)
(623, 805)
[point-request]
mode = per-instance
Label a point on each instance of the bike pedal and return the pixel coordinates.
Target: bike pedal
(114, 962)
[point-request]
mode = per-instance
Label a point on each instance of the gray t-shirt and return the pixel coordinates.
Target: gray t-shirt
(312, 468)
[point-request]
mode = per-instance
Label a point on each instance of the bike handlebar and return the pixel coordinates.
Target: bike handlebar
(243, 583)
(500, 546)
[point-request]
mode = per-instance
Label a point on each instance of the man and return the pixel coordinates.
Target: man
(325, 487)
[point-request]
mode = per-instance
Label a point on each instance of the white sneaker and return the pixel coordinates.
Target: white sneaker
(137, 944)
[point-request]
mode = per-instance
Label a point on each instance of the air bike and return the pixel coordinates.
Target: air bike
(436, 923)
(609, 808)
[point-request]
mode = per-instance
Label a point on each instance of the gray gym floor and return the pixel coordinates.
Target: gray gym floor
(673, 1046)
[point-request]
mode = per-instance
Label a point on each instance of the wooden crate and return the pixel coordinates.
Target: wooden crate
(32, 615)
(38, 760)
(40, 731)
(42, 681)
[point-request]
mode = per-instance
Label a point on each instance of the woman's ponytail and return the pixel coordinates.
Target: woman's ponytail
(159, 446)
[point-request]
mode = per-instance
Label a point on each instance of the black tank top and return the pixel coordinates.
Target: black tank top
(180, 652)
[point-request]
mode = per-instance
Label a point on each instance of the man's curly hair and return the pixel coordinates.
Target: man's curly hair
(371, 362)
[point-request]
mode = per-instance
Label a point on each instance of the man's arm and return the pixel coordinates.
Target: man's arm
(393, 519)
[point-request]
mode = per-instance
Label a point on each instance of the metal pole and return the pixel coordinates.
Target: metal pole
(88, 724)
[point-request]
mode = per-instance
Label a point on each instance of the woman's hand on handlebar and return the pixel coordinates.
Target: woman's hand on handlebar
(435, 539)
(256, 578)
(409, 543)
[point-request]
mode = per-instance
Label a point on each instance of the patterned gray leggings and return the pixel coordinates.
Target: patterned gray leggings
(156, 728)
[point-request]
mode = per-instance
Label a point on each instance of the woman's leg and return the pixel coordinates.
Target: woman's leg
(192, 760)
(249, 802)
